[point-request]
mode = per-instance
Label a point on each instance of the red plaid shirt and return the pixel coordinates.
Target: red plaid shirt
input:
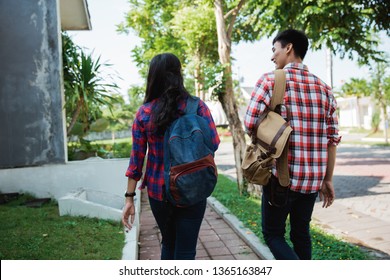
(313, 119)
(144, 137)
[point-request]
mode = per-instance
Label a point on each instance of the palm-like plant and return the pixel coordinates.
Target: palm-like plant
(86, 91)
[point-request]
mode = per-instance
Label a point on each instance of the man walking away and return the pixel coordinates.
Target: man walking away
(312, 146)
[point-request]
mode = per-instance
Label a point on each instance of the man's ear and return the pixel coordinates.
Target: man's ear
(289, 48)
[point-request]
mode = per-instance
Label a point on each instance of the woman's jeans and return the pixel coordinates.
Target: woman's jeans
(300, 207)
(179, 228)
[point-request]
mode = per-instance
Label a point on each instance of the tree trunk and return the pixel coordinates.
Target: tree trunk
(358, 112)
(227, 98)
(196, 80)
(199, 80)
(385, 123)
(75, 115)
(383, 104)
(384, 113)
(239, 143)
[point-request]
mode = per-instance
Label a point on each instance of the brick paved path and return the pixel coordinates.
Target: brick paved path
(217, 241)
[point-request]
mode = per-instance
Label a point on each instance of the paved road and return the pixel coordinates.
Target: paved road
(361, 212)
(362, 180)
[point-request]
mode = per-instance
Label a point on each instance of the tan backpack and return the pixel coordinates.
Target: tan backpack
(269, 141)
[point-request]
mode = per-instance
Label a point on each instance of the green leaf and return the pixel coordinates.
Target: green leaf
(99, 125)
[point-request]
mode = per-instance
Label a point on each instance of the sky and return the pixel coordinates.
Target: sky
(251, 59)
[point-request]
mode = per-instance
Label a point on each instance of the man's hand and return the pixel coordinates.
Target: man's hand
(128, 212)
(327, 194)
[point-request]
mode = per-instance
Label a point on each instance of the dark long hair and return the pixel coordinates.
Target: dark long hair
(165, 81)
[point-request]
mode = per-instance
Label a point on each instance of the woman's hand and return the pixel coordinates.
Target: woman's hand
(128, 213)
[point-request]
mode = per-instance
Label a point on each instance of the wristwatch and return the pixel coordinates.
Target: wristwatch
(132, 194)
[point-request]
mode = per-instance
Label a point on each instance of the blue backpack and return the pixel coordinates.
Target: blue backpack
(190, 173)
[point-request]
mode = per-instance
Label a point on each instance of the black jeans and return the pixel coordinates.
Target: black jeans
(179, 228)
(300, 208)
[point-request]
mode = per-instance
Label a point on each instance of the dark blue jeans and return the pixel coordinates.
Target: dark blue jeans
(300, 208)
(179, 228)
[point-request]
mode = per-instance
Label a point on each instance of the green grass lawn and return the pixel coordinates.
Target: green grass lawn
(41, 234)
(247, 210)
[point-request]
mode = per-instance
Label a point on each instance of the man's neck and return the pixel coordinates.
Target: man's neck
(294, 59)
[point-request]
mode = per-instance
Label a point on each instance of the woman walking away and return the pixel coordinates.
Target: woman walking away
(165, 101)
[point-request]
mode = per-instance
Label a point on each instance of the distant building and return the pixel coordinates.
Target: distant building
(358, 112)
(355, 112)
(219, 115)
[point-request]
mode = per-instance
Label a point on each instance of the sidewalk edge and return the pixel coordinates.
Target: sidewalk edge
(246, 234)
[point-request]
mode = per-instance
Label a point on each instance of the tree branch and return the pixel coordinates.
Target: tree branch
(223, 41)
(233, 13)
(226, 16)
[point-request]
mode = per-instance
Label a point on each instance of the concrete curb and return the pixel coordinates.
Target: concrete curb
(246, 234)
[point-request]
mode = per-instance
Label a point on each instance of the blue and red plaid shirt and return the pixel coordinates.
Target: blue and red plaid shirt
(313, 119)
(145, 137)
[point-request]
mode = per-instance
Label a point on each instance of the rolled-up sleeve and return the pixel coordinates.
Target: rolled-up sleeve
(332, 124)
(139, 147)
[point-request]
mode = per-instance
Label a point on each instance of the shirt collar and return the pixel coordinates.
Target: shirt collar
(295, 65)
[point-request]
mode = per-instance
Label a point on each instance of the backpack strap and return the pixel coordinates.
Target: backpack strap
(276, 99)
(192, 105)
(279, 88)
(282, 167)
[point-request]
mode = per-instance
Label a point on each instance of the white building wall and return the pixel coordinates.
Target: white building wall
(57, 180)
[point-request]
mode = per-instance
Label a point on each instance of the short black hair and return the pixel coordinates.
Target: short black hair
(297, 38)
